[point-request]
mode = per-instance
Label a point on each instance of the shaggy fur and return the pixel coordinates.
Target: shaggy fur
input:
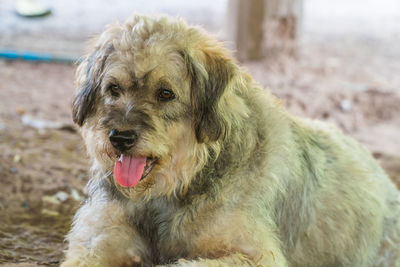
(239, 181)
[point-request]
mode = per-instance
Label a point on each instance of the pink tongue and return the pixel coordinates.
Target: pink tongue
(128, 170)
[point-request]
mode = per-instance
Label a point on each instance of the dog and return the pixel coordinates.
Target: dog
(194, 164)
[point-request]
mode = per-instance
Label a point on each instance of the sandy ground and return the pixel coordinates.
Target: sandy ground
(37, 164)
(340, 74)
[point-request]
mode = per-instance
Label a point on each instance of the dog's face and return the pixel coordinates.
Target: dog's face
(152, 103)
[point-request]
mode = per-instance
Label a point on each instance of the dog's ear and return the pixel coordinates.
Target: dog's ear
(210, 74)
(89, 78)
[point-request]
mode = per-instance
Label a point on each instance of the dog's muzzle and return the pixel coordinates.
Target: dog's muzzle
(122, 140)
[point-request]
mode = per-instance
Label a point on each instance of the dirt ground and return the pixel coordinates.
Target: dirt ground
(352, 82)
(37, 164)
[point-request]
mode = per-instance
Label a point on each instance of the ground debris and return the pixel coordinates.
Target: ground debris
(41, 124)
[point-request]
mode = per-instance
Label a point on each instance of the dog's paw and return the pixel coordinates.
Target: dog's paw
(183, 263)
(70, 263)
(134, 261)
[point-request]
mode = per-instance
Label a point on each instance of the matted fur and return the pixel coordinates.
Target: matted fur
(239, 181)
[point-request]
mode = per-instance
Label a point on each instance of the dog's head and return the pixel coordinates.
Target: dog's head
(154, 98)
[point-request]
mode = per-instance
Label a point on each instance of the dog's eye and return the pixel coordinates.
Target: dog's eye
(114, 89)
(165, 94)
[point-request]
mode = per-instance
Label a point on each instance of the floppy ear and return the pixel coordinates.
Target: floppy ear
(89, 76)
(209, 79)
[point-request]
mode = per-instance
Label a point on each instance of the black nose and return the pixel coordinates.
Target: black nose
(122, 140)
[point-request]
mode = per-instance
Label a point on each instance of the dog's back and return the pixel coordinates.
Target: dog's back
(359, 213)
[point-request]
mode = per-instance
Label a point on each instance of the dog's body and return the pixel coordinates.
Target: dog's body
(233, 179)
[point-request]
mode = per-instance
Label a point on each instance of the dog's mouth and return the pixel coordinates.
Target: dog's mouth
(129, 171)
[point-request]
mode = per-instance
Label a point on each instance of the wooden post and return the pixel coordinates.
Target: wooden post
(257, 26)
(247, 27)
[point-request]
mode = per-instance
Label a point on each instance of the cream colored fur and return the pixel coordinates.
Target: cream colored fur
(239, 181)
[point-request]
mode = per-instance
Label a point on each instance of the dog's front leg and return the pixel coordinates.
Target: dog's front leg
(102, 236)
(237, 259)
(232, 260)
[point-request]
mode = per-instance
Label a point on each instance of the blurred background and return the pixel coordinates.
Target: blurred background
(338, 61)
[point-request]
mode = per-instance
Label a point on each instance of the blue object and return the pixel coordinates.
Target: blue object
(31, 56)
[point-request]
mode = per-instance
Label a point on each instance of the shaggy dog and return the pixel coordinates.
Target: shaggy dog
(195, 165)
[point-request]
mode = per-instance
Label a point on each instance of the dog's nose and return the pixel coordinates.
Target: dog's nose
(122, 140)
